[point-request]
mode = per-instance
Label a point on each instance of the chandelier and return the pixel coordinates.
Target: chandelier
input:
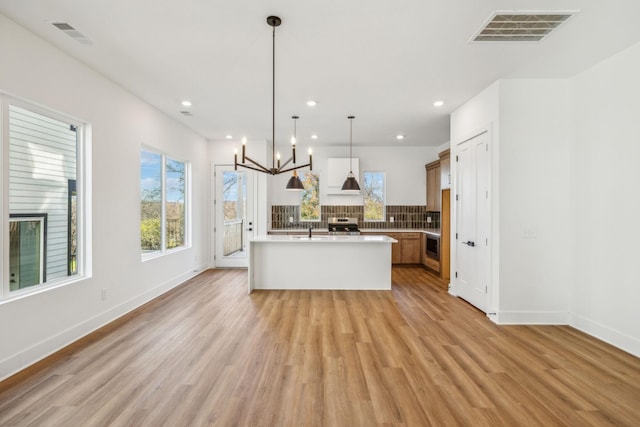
(276, 168)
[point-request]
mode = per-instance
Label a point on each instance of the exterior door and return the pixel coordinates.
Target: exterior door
(234, 216)
(473, 222)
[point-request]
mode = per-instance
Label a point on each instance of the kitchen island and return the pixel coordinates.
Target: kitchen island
(320, 262)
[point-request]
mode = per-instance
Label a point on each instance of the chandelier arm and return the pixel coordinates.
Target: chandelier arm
(260, 169)
(295, 167)
(249, 159)
(286, 163)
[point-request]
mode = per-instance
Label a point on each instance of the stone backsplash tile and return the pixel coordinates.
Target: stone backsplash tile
(404, 217)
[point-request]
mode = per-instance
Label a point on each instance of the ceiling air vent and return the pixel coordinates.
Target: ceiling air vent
(520, 26)
(72, 32)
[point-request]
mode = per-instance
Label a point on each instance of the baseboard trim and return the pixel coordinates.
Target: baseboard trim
(36, 353)
(602, 332)
(531, 318)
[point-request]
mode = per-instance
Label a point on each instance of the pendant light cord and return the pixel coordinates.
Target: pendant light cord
(273, 99)
(351, 143)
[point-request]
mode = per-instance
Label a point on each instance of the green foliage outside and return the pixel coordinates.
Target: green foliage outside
(373, 189)
(150, 226)
(310, 203)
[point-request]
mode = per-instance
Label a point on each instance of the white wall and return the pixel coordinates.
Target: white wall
(566, 203)
(606, 154)
(39, 324)
(534, 188)
(404, 168)
(529, 129)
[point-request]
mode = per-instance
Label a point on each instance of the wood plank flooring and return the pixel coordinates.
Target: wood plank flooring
(209, 354)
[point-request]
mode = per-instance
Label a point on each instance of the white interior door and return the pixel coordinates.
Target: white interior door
(234, 216)
(473, 222)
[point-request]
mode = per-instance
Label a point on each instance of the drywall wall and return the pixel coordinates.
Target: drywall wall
(403, 166)
(40, 324)
(534, 187)
(605, 156)
(529, 143)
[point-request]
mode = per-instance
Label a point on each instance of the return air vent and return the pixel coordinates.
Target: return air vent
(72, 32)
(520, 26)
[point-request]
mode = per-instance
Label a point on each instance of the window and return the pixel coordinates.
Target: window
(46, 216)
(310, 201)
(27, 250)
(373, 196)
(163, 204)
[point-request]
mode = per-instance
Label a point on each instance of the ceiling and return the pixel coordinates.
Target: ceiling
(385, 62)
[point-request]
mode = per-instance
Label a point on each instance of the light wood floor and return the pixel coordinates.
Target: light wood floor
(209, 354)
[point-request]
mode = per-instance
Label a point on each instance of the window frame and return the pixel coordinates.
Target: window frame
(83, 197)
(163, 201)
(384, 196)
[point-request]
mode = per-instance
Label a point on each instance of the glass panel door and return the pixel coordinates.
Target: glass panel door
(234, 216)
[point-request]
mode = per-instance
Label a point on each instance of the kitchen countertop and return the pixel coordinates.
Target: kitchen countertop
(324, 239)
(432, 231)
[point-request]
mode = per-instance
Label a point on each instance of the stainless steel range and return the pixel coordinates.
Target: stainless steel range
(343, 226)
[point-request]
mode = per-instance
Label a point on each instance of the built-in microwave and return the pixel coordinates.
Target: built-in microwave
(432, 247)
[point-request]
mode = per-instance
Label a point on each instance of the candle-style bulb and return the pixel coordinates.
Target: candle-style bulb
(293, 140)
(244, 140)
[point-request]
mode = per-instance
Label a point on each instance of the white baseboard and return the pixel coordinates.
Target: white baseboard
(615, 338)
(23, 359)
(531, 318)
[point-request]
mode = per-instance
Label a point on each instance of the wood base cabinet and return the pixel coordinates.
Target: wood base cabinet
(408, 248)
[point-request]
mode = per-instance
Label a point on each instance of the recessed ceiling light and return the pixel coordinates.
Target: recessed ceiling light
(229, 136)
(311, 103)
(186, 103)
(314, 136)
(438, 103)
(399, 136)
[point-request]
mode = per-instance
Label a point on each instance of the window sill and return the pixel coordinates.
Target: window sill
(159, 254)
(38, 289)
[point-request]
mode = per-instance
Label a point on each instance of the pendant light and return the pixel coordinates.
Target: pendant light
(248, 162)
(351, 184)
(294, 183)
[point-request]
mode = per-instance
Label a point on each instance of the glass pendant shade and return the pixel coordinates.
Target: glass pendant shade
(294, 183)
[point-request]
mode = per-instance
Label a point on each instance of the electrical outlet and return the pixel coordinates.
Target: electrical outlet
(429, 219)
(290, 219)
(391, 219)
(103, 294)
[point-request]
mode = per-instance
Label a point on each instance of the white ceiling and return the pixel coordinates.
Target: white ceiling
(383, 61)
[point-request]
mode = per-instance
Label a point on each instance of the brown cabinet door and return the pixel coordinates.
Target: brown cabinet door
(445, 170)
(411, 250)
(433, 186)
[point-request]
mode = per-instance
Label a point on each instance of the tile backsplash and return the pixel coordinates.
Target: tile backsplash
(404, 216)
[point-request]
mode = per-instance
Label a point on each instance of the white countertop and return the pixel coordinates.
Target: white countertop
(323, 239)
(433, 231)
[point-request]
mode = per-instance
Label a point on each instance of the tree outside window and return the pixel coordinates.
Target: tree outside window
(310, 201)
(373, 190)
